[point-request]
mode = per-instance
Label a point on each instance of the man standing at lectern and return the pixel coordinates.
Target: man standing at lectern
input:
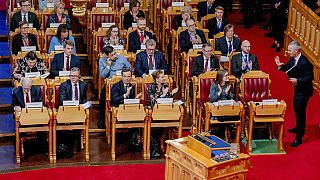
(300, 73)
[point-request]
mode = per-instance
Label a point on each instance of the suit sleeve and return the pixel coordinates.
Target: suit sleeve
(185, 44)
(307, 72)
(13, 24)
(36, 22)
(62, 93)
(214, 93)
(133, 46)
(127, 20)
(210, 28)
(236, 70)
(35, 42)
(216, 62)
(84, 93)
(54, 67)
(138, 65)
(39, 95)
(103, 69)
(51, 47)
(116, 95)
(255, 66)
(127, 63)
(15, 45)
(195, 68)
(77, 62)
(71, 38)
(14, 99)
(163, 63)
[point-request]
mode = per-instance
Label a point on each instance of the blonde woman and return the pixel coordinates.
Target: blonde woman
(59, 16)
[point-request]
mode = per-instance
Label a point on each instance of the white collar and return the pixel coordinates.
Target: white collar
(297, 58)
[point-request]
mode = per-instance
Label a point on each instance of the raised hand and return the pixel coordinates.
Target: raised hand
(277, 61)
(175, 90)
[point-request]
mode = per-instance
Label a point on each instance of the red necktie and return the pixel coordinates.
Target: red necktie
(141, 37)
(67, 64)
(76, 96)
(206, 65)
(27, 97)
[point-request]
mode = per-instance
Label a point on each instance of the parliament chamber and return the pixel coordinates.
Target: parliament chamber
(159, 89)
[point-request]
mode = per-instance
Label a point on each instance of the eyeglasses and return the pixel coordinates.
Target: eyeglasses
(191, 25)
(207, 50)
(115, 31)
(74, 75)
(26, 5)
(151, 49)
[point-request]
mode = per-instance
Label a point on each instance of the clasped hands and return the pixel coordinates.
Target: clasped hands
(226, 91)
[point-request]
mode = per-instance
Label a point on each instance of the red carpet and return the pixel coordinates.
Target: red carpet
(119, 172)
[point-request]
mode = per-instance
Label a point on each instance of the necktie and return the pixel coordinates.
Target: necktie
(27, 97)
(25, 41)
(246, 61)
(206, 65)
(150, 63)
(141, 37)
(208, 10)
(230, 47)
(67, 64)
(24, 17)
(76, 96)
(219, 26)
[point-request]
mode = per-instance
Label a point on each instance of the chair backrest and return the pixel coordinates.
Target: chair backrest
(121, 17)
(170, 14)
(204, 83)
(119, 4)
(177, 44)
(190, 59)
(205, 19)
(270, 110)
(99, 16)
(49, 34)
(56, 87)
(255, 86)
(215, 37)
(164, 4)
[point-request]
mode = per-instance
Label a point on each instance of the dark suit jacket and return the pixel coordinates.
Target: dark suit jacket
(237, 64)
(16, 18)
(65, 92)
(222, 45)
(186, 44)
(134, 40)
(17, 42)
(57, 63)
(212, 26)
(303, 72)
(142, 66)
(18, 97)
(178, 21)
(198, 64)
(54, 19)
(117, 92)
(202, 9)
(128, 19)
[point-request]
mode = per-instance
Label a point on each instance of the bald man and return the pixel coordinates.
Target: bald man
(300, 72)
(244, 61)
(26, 93)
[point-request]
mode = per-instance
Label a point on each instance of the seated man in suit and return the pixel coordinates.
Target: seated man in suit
(191, 36)
(23, 39)
(205, 62)
(73, 89)
(24, 15)
(228, 43)
(181, 19)
(244, 61)
(217, 24)
(139, 36)
(150, 59)
(112, 63)
(205, 8)
(64, 61)
(26, 93)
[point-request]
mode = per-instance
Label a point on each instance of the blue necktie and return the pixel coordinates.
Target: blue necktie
(230, 47)
(247, 62)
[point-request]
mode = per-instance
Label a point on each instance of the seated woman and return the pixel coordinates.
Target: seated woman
(30, 63)
(61, 37)
(112, 38)
(59, 16)
(159, 88)
(181, 19)
(221, 90)
(133, 14)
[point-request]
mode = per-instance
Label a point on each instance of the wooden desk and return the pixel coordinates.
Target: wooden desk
(187, 158)
(71, 118)
(129, 116)
(33, 120)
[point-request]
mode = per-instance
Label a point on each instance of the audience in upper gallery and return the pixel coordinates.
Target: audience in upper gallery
(244, 61)
(24, 15)
(26, 93)
(139, 36)
(159, 88)
(59, 16)
(23, 39)
(29, 63)
(112, 37)
(181, 19)
(229, 42)
(112, 63)
(312, 4)
(44, 3)
(191, 36)
(150, 59)
(279, 22)
(61, 37)
(217, 24)
(73, 89)
(205, 8)
(133, 14)
(205, 62)
(64, 61)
